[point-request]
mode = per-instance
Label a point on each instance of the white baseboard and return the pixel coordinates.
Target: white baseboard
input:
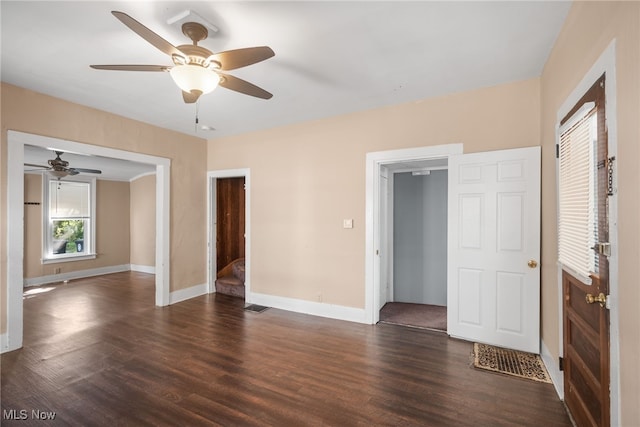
(80, 274)
(553, 369)
(188, 293)
(151, 269)
(331, 311)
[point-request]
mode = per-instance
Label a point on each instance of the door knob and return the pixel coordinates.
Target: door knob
(602, 299)
(532, 263)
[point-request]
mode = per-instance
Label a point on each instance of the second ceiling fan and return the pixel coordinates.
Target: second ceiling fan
(197, 70)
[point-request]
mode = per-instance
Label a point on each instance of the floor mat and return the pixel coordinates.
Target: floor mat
(255, 308)
(510, 362)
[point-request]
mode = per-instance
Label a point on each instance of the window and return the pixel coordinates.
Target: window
(577, 232)
(582, 192)
(69, 219)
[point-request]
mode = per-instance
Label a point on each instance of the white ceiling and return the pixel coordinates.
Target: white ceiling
(331, 57)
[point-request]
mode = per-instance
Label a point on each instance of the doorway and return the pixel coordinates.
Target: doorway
(493, 242)
(594, 327)
(378, 234)
(230, 228)
(229, 232)
(12, 340)
(417, 207)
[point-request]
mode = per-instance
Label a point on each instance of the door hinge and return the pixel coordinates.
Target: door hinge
(560, 364)
(610, 161)
(557, 151)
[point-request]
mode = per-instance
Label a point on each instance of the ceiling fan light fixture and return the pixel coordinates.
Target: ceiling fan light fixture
(58, 173)
(191, 77)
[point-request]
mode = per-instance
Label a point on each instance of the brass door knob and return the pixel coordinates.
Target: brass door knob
(532, 263)
(601, 298)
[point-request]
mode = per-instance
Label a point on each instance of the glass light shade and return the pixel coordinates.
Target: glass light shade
(194, 77)
(58, 174)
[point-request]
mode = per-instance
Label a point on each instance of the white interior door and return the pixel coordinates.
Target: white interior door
(494, 248)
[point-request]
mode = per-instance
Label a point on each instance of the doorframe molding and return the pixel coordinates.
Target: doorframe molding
(605, 64)
(15, 216)
(374, 162)
(212, 177)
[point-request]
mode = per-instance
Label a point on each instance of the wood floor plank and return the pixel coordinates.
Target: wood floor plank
(98, 352)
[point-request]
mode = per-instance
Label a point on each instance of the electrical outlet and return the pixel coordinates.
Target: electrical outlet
(347, 223)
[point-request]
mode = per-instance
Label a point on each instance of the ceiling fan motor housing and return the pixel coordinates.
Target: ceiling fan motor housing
(58, 163)
(196, 55)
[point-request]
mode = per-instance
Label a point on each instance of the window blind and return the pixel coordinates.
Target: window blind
(577, 216)
(68, 200)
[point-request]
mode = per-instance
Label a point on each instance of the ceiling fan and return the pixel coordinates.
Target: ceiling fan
(60, 168)
(197, 70)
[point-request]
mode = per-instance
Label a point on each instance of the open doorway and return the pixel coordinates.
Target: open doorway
(416, 211)
(229, 236)
(493, 225)
(380, 168)
(15, 215)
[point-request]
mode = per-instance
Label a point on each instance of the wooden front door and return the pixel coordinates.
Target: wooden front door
(585, 311)
(230, 220)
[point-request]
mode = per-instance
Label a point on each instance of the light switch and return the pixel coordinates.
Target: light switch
(347, 223)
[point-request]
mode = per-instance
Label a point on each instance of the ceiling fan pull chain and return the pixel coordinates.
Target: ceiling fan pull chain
(197, 109)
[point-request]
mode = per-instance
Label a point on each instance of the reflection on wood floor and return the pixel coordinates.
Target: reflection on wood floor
(98, 352)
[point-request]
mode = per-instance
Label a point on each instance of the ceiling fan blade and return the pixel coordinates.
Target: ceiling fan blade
(37, 166)
(148, 35)
(191, 97)
(233, 83)
(131, 67)
(83, 170)
(232, 59)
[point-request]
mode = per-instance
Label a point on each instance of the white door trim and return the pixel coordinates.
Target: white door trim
(212, 268)
(374, 161)
(15, 220)
(605, 64)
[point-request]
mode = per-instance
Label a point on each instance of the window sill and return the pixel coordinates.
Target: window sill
(68, 258)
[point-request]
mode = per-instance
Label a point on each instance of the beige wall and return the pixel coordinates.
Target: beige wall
(112, 224)
(32, 263)
(307, 178)
(143, 221)
(112, 229)
(588, 30)
(31, 112)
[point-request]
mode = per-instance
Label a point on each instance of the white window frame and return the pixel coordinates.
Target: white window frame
(48, 257)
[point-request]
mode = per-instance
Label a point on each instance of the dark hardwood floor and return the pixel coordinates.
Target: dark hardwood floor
(97, 352)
